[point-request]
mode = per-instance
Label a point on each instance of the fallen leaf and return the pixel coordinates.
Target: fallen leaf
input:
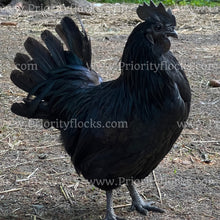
(214, 83)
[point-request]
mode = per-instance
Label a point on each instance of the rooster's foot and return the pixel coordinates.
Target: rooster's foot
(143, 207)
(138, 203)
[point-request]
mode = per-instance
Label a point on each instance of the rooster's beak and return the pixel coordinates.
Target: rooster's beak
(172, 34)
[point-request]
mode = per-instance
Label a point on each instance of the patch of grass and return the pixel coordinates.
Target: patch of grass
(211, 3)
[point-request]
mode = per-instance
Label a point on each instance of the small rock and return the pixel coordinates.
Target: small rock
(186, 162)
(205, 158)
(42, 156)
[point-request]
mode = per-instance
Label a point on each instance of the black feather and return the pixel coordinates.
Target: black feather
(75, 40)
(40, 55)
(87, 49)
(73, 36)
(55, 48)
(62, 35)
(21, 80)
(21, 59)
(30, 76)
(20, 109)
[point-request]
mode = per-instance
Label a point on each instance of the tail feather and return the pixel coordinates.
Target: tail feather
(58, 72)
(75, 40)
(30, 75)
(25, 64)
(20, 59)
(21, 80)
(87, 49)
(20, 109)
(73, 35)
(55, 47)
(24, 110)
(75, 56)
(62, 35)
(40, 55)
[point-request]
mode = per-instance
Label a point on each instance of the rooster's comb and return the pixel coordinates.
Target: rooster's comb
(145, 11)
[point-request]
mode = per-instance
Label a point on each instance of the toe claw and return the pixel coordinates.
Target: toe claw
(153, 208)
(141, 210)
(144, 207)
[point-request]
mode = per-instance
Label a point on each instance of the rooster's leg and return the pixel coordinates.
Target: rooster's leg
(138, 203)
(110, 214)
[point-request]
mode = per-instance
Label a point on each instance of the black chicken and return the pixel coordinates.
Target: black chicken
(152, 95)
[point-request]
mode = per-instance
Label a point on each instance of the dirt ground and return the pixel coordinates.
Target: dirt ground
(37, 180)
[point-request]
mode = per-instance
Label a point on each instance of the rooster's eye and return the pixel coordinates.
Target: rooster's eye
(157, 27)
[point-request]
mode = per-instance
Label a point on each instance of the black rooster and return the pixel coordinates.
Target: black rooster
(152, 95)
